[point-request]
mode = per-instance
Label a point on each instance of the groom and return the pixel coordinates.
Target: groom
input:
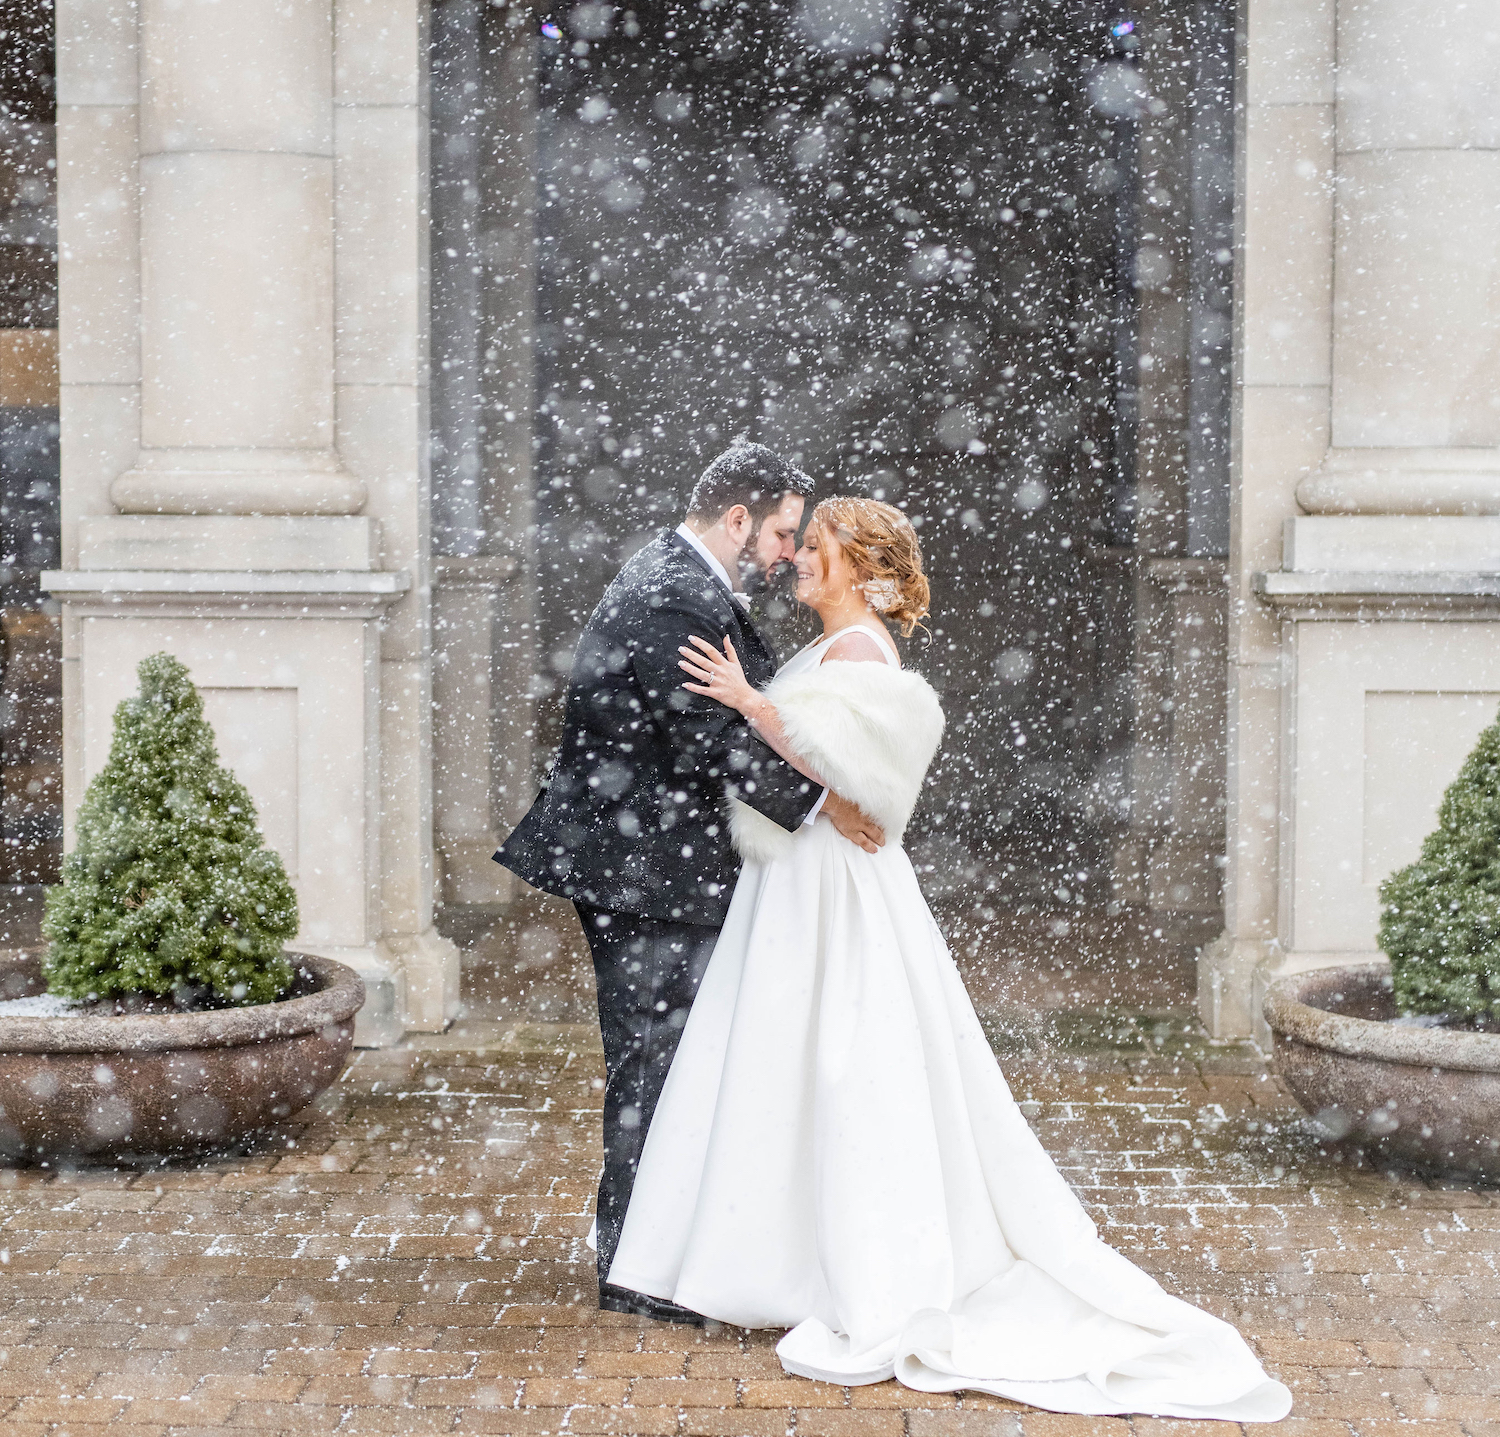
(631, 823)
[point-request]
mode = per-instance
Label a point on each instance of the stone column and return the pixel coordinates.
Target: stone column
(236, 173)
(1183, 873)
(244, 363)
(464, 700)
(1374, 636)
(1171, 856)
(1283, 283)
(508, 248)
(1416, 348)
(483, 398)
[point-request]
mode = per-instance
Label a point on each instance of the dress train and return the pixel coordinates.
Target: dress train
(837, 1152)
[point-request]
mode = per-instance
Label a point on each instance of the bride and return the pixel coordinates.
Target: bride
(835, 1150)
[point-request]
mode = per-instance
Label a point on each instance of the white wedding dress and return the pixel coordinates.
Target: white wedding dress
(836, 1152)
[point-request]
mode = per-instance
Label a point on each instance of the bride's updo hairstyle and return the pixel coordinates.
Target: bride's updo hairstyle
(881, 548)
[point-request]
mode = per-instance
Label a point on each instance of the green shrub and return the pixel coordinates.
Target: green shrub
(170, 889)
(1440, 916)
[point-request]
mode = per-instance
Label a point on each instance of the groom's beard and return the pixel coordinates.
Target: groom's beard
(753, 579)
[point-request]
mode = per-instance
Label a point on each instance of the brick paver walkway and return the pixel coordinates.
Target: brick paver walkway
(408, 1257)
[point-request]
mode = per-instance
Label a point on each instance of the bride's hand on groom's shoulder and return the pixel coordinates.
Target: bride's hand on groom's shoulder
(719, 675)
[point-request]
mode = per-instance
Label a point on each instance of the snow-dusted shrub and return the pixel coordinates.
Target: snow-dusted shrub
(170, 889)
(1440, 916)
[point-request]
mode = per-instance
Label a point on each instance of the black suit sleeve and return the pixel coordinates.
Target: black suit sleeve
(708, 738)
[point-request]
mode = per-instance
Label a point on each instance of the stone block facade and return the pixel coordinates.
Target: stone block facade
(248, 396)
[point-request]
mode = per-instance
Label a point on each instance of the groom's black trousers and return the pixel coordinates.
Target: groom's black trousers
(648, 971)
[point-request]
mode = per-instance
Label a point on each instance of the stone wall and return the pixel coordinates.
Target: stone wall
(1367, 464)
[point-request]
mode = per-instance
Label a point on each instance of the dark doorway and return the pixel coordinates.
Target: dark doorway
(887, 241)
(901, 242)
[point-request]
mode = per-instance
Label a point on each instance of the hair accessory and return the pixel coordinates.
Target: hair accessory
(883, 595)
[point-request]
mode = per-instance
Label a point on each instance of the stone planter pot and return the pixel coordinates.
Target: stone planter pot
(143, 1084)
(1428, 1097)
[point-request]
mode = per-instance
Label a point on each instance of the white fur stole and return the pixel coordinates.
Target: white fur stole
(869, 729)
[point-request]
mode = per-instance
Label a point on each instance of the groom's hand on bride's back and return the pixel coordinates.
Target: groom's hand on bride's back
(856, 825)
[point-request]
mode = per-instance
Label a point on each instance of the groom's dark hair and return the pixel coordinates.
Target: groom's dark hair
(748, 474)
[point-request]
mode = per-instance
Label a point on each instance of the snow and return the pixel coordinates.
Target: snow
(39, 1005)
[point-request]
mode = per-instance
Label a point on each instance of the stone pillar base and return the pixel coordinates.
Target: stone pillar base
(1228, 996)
(430, 964)
(1388, 679)
(289, 667)
(411, 985)
(464, 732)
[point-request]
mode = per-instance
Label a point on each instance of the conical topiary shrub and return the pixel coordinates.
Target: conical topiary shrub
(170, 889)
(1440, 916)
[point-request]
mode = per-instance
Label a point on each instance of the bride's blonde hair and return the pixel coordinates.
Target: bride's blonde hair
(882, 549)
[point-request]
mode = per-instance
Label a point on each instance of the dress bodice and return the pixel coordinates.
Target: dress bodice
(810, 657)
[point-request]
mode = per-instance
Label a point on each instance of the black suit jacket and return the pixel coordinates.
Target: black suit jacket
(632, 816)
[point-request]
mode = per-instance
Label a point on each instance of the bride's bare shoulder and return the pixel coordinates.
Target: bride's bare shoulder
(856, 647)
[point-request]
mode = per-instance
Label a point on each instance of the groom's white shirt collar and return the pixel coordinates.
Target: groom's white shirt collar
(715, 567)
